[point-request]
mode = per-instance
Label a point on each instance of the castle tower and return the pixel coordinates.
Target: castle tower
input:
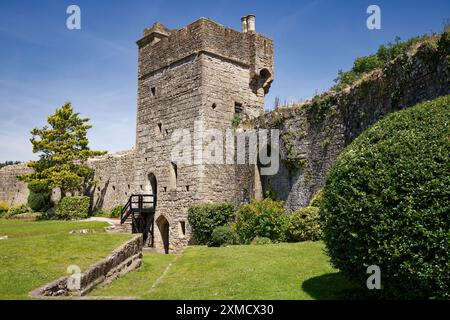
(202, 74)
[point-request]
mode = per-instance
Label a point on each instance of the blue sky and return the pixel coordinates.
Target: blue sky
(43, 64)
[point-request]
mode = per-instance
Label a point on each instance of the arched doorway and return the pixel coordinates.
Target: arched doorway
(163, 228)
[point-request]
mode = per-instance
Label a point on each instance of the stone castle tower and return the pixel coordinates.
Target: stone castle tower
(204, 73)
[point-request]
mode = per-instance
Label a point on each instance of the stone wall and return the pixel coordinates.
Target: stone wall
(12, 191)
(313, 134)
(114, 180)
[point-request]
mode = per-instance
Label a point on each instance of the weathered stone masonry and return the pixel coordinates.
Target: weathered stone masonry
(311, 139)
(203, 72)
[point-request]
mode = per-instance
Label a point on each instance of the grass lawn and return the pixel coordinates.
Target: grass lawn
(39, 252)
(279, 271)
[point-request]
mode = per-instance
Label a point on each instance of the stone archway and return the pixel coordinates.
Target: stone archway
(162, 243)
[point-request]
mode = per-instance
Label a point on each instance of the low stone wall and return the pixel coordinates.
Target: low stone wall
(123, 260)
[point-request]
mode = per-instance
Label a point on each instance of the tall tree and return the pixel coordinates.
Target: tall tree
(63, 149)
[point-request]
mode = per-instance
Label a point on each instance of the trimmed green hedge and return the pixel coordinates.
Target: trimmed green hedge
(387, 203)
(223, 236)
(262, 218)
(73, 208)
(19, 209)
(304, 225)
(205, 218)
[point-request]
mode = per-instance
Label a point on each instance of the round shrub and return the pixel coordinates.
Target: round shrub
(70, 208)
(40, 196)
(262, 218)
(205, 218)
(304, 225)
(116, 211)
(223, 236)
(387, 203)
(260, 241)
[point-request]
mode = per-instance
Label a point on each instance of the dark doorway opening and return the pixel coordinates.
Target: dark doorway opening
(163, 227)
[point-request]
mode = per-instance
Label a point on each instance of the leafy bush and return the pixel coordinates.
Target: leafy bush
(262, 218)
(40, 196)
(317, 200)
(260, 241)
(73, 208)
(223, 236)
(98, 213)
(304, 225)
(206, 217)
(116, 211)
(386, 203)
(19, 209)
(4, 207)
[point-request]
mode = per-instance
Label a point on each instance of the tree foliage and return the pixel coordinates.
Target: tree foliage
(8, 163)
(63, 149)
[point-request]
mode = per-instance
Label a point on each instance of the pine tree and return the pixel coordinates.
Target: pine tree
(63, 150)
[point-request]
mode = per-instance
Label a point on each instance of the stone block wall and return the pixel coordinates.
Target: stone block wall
(114, 180)
(12, 191)
(201, 73)
(314, 134)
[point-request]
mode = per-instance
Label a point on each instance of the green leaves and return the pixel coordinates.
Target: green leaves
(73, 208)
(206, 217)
(386, 202)
(262, 218)
(63, 149)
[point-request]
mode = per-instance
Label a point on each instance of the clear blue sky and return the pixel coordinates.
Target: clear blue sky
(42, 64)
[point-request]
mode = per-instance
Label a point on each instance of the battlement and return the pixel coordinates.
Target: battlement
(161, 47)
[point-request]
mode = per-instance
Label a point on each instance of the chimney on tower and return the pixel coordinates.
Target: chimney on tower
(251, 23)
(248, 23)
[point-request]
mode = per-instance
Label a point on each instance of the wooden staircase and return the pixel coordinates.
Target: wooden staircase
(139, 215)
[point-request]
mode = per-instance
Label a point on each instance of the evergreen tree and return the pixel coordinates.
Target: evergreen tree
(63, 149)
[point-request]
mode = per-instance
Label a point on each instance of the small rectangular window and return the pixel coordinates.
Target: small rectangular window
(153, 91)
(183, 227)
(238, 107)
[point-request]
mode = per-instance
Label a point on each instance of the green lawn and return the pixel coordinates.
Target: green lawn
(279, 271)
(39, 252)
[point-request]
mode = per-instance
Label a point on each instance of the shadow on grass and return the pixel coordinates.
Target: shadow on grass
(333, 286)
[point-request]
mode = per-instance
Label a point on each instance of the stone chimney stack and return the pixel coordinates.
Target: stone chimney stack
(251, 23)
(244, 24)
